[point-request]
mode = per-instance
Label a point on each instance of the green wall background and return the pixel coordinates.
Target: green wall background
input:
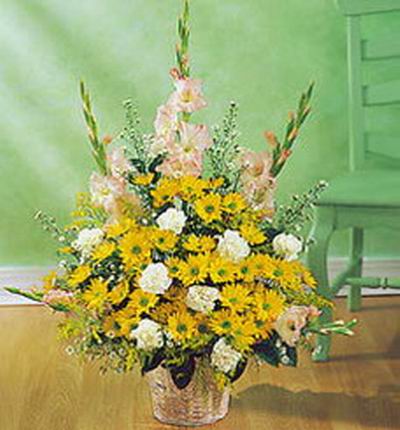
(261, 53)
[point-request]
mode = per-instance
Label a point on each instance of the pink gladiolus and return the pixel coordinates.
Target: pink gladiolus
(165, 124)
(193, 137)
(188, 96)
(117, 162)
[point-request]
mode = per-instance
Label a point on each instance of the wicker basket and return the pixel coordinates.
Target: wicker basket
(200, 403)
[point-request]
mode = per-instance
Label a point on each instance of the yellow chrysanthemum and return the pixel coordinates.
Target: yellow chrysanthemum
(49, 281)
(191, 187)
(173, 264)
(163, 311)
(208, 208)
(194, 269)
(303, 274)
(199, 243)
(246, 270)
(119, 293)
(233, 203)
(243, 333)
(269, 304)
(165, 192)
(143, 179)
(142, 301)
(221, 322)
(216, 182)
(263, 328)
(135, 249)
(263, 265)
(286, 274)
(103, 251)
(79, 275)
(236, 297)
(181, 326)
(127, 320)
(120, 228)
(252, 234)
(96, 295)
(164, 240)
(221, 269)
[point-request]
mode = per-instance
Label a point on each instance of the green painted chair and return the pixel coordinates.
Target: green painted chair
(369, 195)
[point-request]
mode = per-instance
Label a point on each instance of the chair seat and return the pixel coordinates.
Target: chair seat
(368, 188)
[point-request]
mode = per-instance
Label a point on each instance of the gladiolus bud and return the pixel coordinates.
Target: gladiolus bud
(107, 139)
(271, 139)
(293, 134)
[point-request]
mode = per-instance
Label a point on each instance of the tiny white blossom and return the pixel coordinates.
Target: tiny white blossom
(155, 279)
(172, 219)
(148, 335)
(224, 358)
(87, 240)
(232, 246)
(287, 245)
(202, 298)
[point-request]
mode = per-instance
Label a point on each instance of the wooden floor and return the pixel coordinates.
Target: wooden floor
(43, 389)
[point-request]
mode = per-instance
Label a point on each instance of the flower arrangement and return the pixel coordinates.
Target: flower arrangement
(178, 255)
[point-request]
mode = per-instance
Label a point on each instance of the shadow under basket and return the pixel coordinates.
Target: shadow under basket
(200, 403)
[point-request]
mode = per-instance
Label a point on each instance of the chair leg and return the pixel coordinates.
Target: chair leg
(354, 296)
(317, 260)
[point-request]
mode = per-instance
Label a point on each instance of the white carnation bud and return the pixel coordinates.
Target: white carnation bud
(155, 279)
(287, 246)
(172, 219)
(232, 246)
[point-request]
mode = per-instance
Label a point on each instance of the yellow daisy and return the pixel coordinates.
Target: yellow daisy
(252, 234)
(120, 228)
(221, 322)
(264, 329)
(191, 187)
(216, 182)
(165, 192)
(246, 270)
(164, 240)
(194, 269)
(135, 249)
(269, 304)
(79, 275)
(221, 269)
(127, 320)
(286, 274)
(263, 265)
(119, 293)
(233, 203)
(208, 208)
(103, 251)
(243, 333)
(236, 297)
(173, 264)
(181, 326)
(96, 295)
(199, 243)
(143, 179)
(164, 310)
(49, 281)
(142, 301)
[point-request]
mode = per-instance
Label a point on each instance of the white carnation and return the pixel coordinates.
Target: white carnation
(224, 358)
(155, 279)
(148, 335)
(87, 240)
(232, 246)
(172, 219)
(287, 245)
(201, 298)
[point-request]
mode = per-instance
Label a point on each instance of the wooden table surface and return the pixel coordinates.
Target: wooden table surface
(41, 388)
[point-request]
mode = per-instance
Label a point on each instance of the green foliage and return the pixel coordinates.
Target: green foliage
(182, 48)
(293, 217)
(137, 143)
(222, 156)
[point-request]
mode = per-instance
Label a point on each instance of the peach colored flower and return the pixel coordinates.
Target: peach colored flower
(194, 137)
(58, 297)
(188, 96)
(117, 162)
(177, 165)
(258, 184)
(166, 122)
(290, 324)
(105, 189)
